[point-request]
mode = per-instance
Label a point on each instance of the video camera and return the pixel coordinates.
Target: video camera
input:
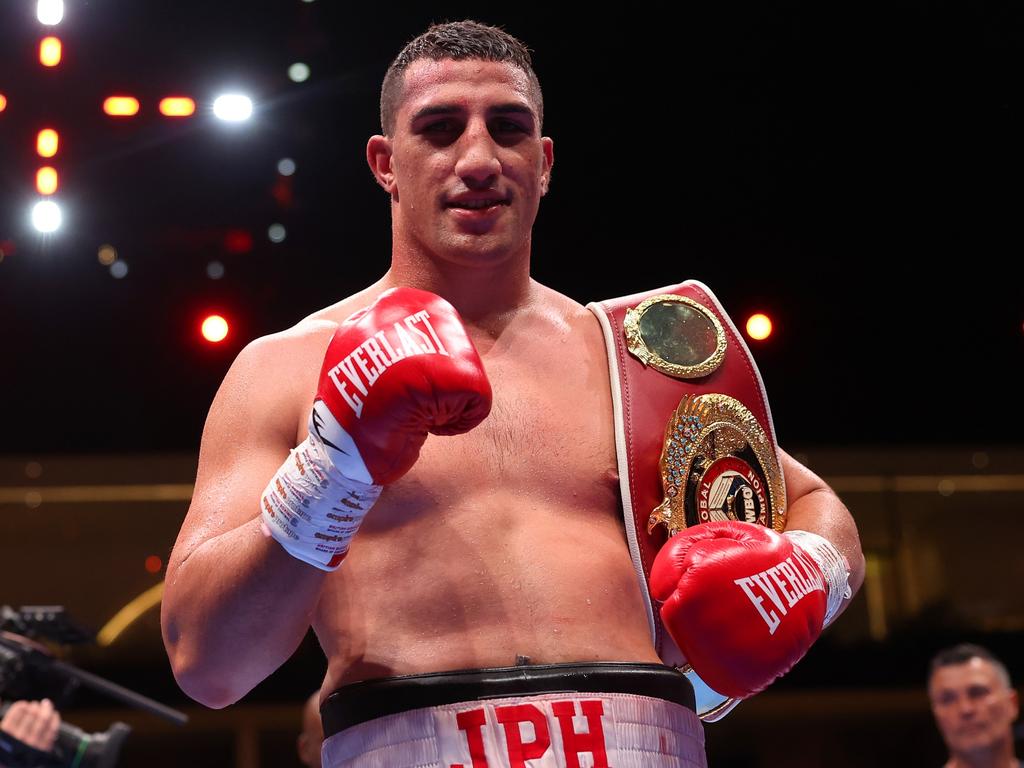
(26, 666)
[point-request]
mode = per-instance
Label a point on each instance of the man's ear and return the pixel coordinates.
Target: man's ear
(548, 148)
(378, 156)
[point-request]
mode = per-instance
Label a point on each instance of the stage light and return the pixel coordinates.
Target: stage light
(46, 216)
(50, 12)
(46, 180)
(3, 102)
(177, 106)
(215, 270)
(118, 269)
(47, 142)
(238, 241)
(154, 564)
(50, 51)
(214, 329)
(121, 106)
(759, 327)
(298, 72)
(129, 614)
(276, 233)
(286, 166)
(106, 255)
(233, 107)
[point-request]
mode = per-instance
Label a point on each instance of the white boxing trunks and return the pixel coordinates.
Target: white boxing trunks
(549, 716)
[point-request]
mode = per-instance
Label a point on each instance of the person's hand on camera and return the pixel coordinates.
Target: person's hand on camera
(34, 723)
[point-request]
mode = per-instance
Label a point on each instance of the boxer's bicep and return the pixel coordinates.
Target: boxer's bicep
(224, 575)
(813, 506)
(248, 433)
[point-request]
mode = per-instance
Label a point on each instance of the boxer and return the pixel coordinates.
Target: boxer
(472, 590)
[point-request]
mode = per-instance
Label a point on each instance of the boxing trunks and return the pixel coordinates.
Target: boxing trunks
(605, 715)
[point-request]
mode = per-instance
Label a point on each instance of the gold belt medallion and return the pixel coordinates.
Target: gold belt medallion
(717, 464)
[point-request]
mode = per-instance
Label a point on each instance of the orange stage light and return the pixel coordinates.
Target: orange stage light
(759, 327)
(121, 106)
(47, 142)
(50, 51)
(215, 329)
(177, 106)
(46, 180)
(3, 102)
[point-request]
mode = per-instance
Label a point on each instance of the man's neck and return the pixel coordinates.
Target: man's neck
(480, 294)
(1001, 757)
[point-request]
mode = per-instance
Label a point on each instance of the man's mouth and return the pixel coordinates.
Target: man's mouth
(477, 205)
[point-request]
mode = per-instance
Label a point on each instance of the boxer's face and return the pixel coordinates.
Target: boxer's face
(467, 164)
(973, 707)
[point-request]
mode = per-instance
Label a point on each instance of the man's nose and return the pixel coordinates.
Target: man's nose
(966, 708)
(478, 163)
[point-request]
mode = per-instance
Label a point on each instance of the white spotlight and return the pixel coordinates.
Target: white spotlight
(46, 216)
(50, 12)
(233, 107)
(118, 269)
(286, 166)
(298, 72)
(276, 233)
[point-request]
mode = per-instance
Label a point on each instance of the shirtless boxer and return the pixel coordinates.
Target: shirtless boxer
(498, 547)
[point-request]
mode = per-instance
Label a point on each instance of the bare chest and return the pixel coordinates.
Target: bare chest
(550, 426)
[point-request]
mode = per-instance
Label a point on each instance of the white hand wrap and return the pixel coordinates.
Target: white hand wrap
(313, 510)
(833, 565)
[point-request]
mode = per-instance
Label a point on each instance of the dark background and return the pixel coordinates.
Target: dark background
(856, 175)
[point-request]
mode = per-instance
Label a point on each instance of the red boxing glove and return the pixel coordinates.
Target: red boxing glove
(393, 372)
(744, 603)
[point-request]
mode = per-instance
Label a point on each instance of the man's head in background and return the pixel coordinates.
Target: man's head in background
(974, 704)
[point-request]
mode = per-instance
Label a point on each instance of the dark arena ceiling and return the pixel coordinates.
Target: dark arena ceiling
(855, 177)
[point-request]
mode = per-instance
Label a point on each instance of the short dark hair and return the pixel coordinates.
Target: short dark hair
(458, 40)
(964, 652)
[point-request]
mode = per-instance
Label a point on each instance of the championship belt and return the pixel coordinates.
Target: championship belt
(694, 437)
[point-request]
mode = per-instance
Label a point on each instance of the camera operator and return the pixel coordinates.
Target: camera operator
(33, 723)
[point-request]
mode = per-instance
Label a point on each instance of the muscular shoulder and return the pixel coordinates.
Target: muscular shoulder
(291, 354)
(274, 376)
(569, 316)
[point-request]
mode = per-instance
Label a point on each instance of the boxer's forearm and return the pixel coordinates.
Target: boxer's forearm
(820, 511)
(813, 506)
(233, 611)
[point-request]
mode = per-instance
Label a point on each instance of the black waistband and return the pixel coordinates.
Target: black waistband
(367, 700)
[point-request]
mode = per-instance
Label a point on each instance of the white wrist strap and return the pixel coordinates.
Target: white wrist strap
(313, 510)
(833, 565)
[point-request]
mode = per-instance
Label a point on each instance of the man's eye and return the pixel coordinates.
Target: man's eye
(506, 126)
(440, 126)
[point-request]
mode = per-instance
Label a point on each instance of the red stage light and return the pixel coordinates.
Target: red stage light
(214, 329)
(154, 564)
(238, 241)
(46, 180)
(50, 51)
(47, 142)
(177, 106)
(121, 106)
(759, 327)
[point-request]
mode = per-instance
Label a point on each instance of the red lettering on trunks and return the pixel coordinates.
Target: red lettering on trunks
(511, 718)
(472, 722)
(574, 742)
